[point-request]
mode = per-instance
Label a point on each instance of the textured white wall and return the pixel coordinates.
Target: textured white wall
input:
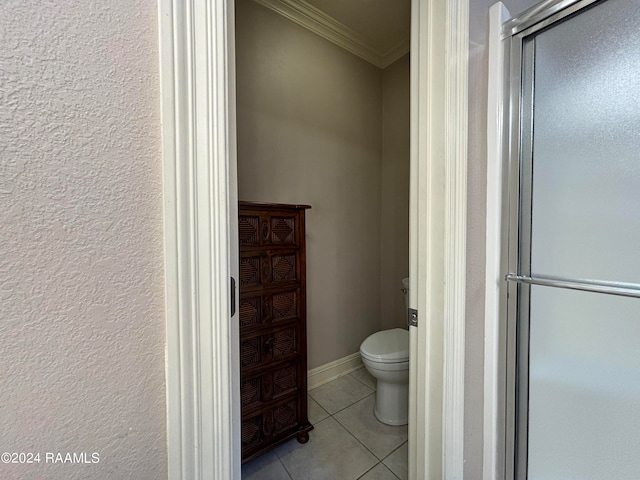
(309, 131)
(81, 246)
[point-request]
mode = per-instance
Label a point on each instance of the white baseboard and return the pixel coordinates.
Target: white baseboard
(332, 370)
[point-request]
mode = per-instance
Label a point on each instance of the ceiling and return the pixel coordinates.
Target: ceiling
(376, 30)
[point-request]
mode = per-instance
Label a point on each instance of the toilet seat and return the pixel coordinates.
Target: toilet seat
(387, 346)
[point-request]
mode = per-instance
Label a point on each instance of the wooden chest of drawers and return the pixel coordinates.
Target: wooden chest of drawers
(273, 346)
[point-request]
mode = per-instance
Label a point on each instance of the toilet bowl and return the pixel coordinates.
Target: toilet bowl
(385, 355)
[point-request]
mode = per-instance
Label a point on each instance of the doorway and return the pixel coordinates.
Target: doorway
(198, 113)
(318, 124)
(574, 291)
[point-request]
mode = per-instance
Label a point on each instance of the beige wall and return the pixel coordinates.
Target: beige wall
(476, 211)
(310, 131)
(81, 252)
(395, 192)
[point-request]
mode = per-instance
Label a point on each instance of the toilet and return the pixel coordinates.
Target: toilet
(385, 355)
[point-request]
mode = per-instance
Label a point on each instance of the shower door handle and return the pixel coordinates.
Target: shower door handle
(595, 286)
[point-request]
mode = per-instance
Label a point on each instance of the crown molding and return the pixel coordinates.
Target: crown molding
(395, 53)
(315, 20)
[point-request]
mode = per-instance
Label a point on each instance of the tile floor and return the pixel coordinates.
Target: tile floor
(347, 443)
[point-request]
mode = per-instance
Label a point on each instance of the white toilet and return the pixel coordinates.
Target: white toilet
(385, 355)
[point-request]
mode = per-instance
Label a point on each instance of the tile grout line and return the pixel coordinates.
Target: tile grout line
(379, 461)
(368, 471)
(391, 453)
(351, 434)
(284, 467)
(348, 375)
(367, 448)
(351, 404)
(332, 415)
(356, 378)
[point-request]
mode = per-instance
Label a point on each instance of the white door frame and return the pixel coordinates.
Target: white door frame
(494, 359)
(438, 206)
(200, 211)
(199, 156)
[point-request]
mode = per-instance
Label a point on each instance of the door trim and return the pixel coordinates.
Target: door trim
(494, 360)
(199, 158)
(200, 213)
(439, 110)
(456, 114)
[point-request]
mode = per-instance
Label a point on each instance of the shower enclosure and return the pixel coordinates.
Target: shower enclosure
(573, 267)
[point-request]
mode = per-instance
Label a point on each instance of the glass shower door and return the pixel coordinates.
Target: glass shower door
(577, 268)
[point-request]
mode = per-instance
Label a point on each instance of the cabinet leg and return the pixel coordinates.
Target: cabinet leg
(303, 437)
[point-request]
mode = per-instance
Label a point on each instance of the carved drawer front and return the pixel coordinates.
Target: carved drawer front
(251, 352)
(268, 309)
(250, 268)
(252, 432)
(283, 230)
(285, 417)
(271, 423)
(269, 386)
(285, 305)
(251, 311)
(268, 269)
(251, 392)
(283, 267)
(249, 230)
(277, 345)
(284, 343)
(285, 380)
(255, 230)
